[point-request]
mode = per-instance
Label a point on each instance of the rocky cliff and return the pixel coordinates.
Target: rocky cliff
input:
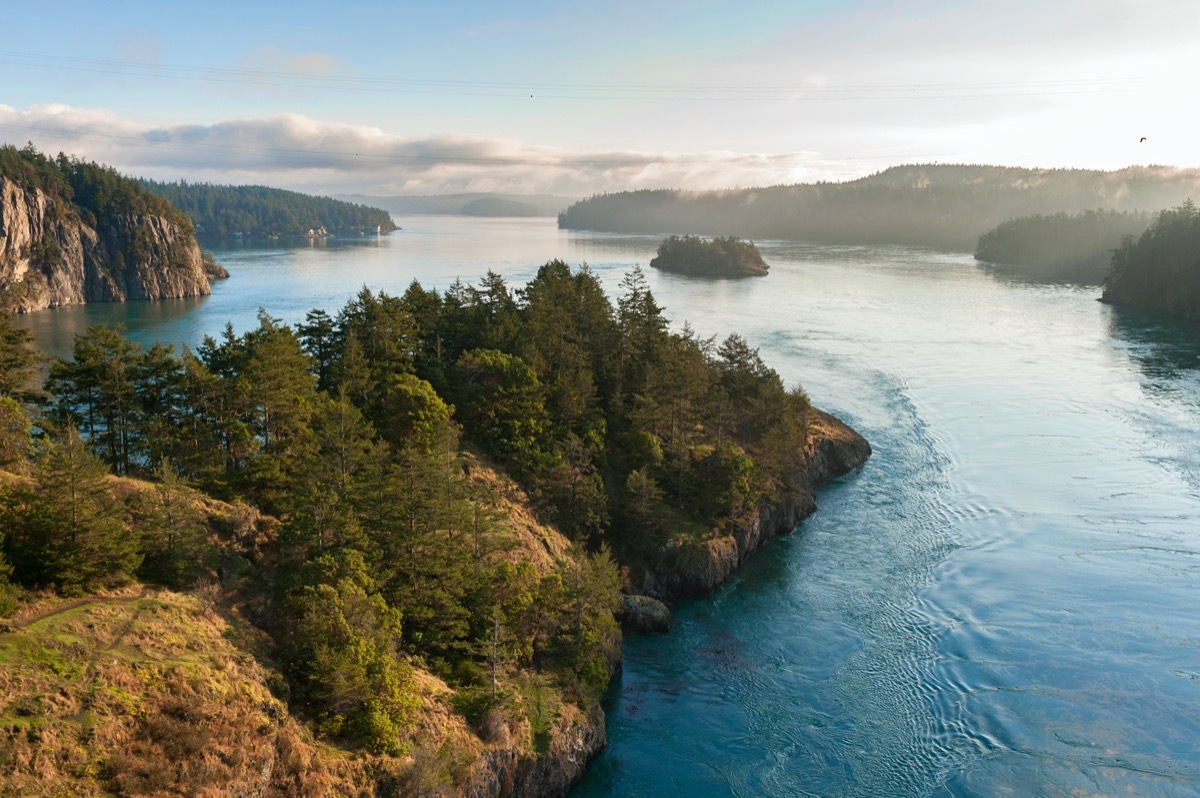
(50, 257)
(694, 568)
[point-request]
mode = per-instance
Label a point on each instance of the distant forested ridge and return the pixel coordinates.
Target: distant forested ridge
(720, 257)
(260, 211)
(1074, 247)
(945, 206)
(473, 204)
(1160, 270)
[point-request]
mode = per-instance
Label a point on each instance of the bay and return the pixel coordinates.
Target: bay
(1000, 602)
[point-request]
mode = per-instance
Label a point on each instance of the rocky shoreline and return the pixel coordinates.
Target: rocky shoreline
(696, 568)
(688, 571)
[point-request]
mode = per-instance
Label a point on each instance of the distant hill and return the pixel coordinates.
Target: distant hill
(944, 206)
(467, 204)
(1065, 247)
(261, 211)
(498, 206)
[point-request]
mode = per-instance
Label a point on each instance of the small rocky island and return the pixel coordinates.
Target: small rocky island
(719, 257)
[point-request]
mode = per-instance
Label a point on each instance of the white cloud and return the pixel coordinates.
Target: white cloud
(303, 153)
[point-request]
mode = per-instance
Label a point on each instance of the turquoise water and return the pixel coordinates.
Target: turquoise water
(1002, 601)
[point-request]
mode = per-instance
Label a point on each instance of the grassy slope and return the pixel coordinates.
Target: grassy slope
(149, 692)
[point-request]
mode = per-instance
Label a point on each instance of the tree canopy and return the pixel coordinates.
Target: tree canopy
(1160, 270)
(261, 211)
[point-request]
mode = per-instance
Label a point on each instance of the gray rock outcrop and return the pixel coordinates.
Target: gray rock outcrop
(49, 257)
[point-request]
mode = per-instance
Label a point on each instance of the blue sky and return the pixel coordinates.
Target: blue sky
(569, 98)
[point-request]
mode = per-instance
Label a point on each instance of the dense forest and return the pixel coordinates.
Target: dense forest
(262, 212)
(358, 441)
(720, 257)
(1060, 246)
(945, 206)
(1160, 270)
(96, 191)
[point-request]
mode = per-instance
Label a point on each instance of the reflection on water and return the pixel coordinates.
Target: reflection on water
(1001, 602)
(1164, 348)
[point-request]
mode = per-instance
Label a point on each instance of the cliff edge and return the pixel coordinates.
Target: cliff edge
(50, 257)
(690, 568)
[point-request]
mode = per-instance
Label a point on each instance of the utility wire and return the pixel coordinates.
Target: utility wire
(565, 91)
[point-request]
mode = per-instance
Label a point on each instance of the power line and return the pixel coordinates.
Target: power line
(393, 157)
(564, 91)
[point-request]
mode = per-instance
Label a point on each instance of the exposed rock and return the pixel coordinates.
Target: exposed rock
(50, 258)
(644, 615)
(693, 568)
(575, 739)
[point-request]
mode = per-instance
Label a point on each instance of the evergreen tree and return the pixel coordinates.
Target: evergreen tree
(344, 654)
(68, 532)
(18, 361)
(94, 392)
(173, 537)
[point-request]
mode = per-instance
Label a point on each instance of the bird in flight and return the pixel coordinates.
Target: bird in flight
(1142, 139)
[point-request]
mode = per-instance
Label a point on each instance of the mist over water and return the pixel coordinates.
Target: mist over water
(1001, 601)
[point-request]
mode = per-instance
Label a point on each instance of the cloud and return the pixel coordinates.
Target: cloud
(299, 152)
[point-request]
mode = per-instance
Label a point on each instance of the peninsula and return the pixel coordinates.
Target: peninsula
(385, 549)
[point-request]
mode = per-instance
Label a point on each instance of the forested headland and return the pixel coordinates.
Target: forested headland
(1160, 269)
(357, 568)
(263, 212)
(933, 205)
(1061, 246)
(720, 257)
(74, 231)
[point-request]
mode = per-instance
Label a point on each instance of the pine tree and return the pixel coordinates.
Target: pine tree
(68, 532)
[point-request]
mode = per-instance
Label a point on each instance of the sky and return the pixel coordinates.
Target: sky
(565, 98)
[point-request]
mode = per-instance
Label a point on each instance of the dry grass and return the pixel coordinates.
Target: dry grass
(139, 693)
(532, 541)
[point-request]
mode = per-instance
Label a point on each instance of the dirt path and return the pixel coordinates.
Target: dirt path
(58, 609)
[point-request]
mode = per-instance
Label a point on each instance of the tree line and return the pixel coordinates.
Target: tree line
(91, 191)
(932, 205)
(1160, 269)
(260, 211)
(357, 431)
(1065, 246)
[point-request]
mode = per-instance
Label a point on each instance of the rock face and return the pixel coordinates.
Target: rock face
(575, 739)
(697, 567)
(50, 258)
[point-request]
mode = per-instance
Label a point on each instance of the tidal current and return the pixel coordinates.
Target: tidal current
(1001, 601)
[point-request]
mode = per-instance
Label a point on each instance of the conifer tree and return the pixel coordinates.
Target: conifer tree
(68, 532)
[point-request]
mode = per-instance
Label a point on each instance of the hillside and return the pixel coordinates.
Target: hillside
(943, 206)
(73, 232)
(463, 204)
(415, 520)
(141, 690)
(1063, 247)
(263, 212)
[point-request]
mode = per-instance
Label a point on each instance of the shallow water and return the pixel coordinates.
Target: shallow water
(1000, 602)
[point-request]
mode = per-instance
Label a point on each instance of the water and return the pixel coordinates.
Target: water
(1001, 602)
